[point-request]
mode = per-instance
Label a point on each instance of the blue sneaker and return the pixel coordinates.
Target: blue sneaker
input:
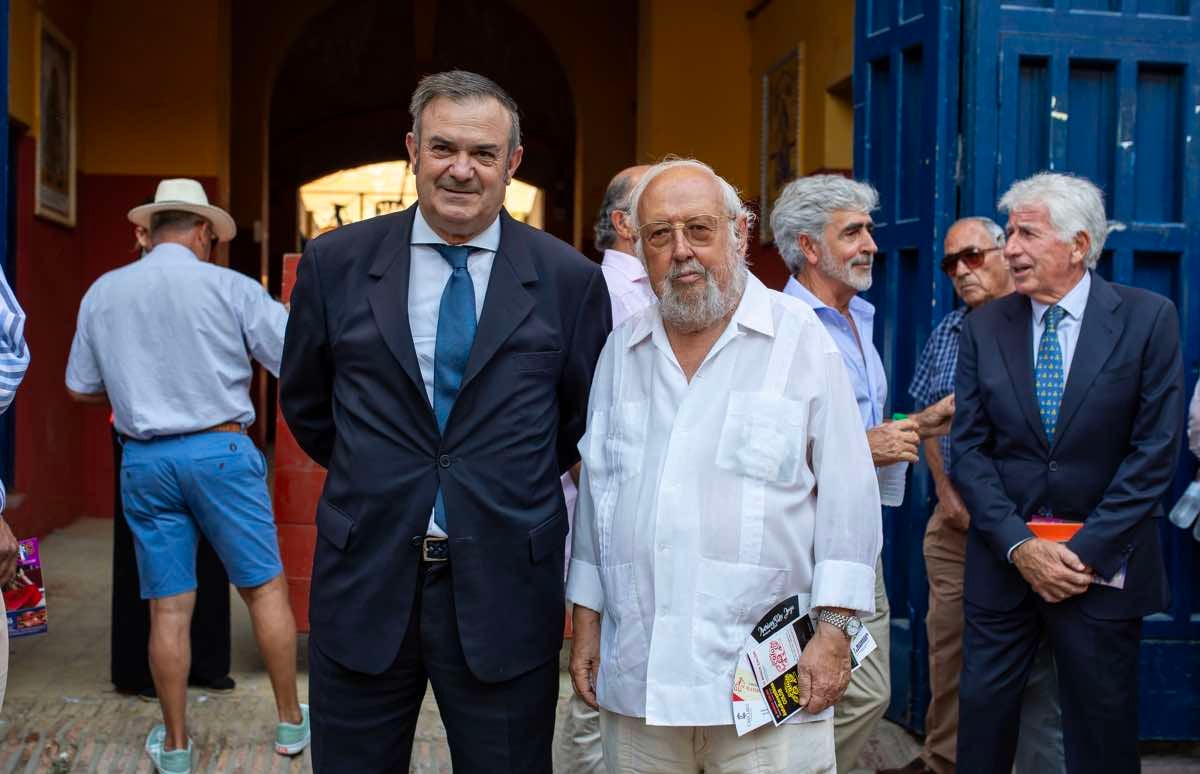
(167, 761)
(292, 738)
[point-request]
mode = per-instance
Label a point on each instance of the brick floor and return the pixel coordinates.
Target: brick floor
(61, 715)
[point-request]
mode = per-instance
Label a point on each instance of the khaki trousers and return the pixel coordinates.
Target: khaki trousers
(1039, 743)
(870, 690)
(577, 748)
(632, 747)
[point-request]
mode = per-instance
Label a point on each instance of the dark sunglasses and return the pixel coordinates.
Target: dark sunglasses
(972, 257)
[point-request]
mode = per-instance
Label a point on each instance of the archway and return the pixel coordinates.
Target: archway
(340, 98)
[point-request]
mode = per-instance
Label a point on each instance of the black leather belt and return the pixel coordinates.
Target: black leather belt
(435, 549)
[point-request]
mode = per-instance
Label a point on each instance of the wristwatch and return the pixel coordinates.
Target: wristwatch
(849, 624)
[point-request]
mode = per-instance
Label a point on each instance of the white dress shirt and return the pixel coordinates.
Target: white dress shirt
(428, 273)
(698, 508)
(630, 292)
(1073, 303)
(628, 285)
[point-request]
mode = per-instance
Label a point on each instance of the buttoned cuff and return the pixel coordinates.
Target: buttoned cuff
(839, 583)
(584, 587)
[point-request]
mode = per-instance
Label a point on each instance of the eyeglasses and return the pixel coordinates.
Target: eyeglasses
(698, 230)
(972, 257)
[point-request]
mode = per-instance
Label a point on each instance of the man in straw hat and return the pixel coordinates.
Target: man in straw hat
(167, 340)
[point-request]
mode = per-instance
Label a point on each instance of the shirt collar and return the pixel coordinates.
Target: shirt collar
(753, 312)
(1072, 303)
(488, 239)
(628, 265)
(170, 251)
(859, 307)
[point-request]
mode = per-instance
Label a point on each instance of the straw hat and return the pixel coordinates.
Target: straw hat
(182, 194)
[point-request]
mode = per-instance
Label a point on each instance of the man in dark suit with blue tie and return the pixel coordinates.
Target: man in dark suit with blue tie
(438, 362)
(1070, 401)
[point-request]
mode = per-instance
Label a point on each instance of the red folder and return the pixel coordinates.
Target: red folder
(1054, 529)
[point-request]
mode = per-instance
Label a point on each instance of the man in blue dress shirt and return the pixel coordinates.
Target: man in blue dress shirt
(167, 341)
(822, 225)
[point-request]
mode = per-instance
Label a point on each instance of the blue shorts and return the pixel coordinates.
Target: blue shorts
(177, 487)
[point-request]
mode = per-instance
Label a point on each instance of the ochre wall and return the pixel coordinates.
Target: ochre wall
(692, 90)
(826, 29)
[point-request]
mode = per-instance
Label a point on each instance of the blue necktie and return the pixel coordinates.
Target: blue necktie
(455, 334)
(1048, 373)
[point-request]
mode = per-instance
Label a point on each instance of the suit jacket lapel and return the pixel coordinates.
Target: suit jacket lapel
(1097, 337)
(388, 297)
(1015, 340)
(507, 302)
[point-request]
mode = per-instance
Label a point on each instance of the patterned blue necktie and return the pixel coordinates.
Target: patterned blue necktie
(1048, 373)
(455, 334)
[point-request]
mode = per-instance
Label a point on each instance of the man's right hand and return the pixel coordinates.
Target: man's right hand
(1052, 569)
(893, 442)
(953, 509)
(585, 653)
(8, 553)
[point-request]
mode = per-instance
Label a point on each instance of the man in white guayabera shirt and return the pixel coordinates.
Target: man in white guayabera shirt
(715, 418)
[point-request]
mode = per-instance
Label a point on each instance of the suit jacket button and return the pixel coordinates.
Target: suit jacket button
(1053, 466)
(444, 460)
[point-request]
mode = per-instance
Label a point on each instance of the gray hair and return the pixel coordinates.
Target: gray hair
(805, 207)
(615, 198)
(462, 86)
(173, 221)
(734, 207)
(994, 230)
(1074, 204)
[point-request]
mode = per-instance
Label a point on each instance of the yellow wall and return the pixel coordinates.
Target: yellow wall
(693, 96)
(826, 28)
(153, 82)
(700, 82)
(156, 99)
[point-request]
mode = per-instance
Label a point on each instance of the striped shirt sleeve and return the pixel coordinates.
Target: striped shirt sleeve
(14, 354)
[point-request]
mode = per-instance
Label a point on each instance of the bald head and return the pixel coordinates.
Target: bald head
(611, 232)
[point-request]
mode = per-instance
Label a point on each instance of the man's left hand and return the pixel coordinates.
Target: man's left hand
(8, 553)
(934, 421)
(825, 662)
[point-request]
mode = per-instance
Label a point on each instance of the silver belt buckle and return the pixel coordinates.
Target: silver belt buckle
(427, 542)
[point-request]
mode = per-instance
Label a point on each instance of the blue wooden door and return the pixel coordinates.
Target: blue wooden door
(906, 101)
(1109, 89)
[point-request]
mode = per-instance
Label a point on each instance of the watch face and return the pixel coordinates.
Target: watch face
(852, 626)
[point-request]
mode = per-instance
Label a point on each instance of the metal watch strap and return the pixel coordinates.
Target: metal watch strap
(840, 620)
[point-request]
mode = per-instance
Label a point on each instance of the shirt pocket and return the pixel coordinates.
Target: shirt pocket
(730, 598)
(762, 437)
(628, 641)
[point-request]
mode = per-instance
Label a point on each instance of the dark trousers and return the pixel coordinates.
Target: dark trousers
(131, 614)
(1097, 664)
(365, 723)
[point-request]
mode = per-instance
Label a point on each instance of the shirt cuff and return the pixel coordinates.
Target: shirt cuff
(838, 583)
(74, 385)
(584, 587)
(1014, 548)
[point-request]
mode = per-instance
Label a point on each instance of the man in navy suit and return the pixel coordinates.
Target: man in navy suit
(1069, 406)
(437, 362)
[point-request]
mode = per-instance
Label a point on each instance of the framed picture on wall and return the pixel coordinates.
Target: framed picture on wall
(54, 195)
(782, 95)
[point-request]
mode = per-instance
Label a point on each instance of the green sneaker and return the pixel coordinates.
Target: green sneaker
(291, 739)
(167, 761)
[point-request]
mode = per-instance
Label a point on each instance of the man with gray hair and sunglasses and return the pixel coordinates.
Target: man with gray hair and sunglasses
(973, 259)
(724, 470)
(822, 226)
(1066, 437)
